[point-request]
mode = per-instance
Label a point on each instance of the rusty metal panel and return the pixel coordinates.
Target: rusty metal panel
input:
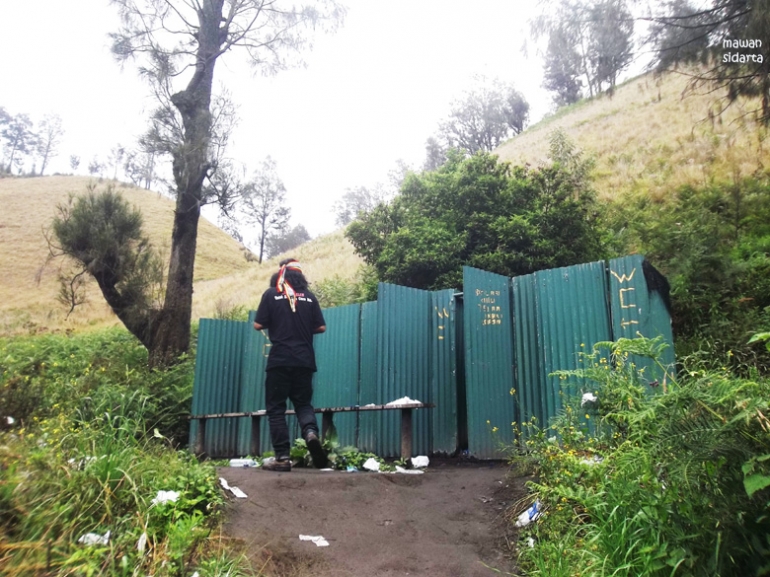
(368, 422)
(489, 376)
(217, 385)
(337, 357)
(444, 372)
(638, 308)
(403, 364)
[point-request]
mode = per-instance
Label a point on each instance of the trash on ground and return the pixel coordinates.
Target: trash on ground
(326, 470)
(588, 398)
(245, 463)
(10, 420)
(402, 401)
(95, 539)
(529, 515)
(165, 497)
(141, 544)
(420, 461)
(595, 460)
(370, 405)
(234, 490)
(372, 464)
(352, 469)
(531, 543)
(317, 539)
(408, 471)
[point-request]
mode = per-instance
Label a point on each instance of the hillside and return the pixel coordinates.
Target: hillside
(223, 277)
(651, 137)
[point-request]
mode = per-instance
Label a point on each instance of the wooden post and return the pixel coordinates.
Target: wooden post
(200, 438)
(327, 424)
(255, 436)
(406, 433)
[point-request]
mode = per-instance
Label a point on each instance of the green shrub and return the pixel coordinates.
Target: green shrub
(673, 483)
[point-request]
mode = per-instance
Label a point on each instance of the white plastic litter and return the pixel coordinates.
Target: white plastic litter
(317, 539)
(408, 471)
(245, 463)
(531, 514)
(10, 420)
(595, 460)
(370, 405)
(420, 461)
(165, 497)
(372, 464)
(95, 539)
(402, 401)
(141, 544)
(531, 543)
(234, 490)
(588, 398)
(326, 470)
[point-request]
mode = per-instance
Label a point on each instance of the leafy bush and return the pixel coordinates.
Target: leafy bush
(674, 483)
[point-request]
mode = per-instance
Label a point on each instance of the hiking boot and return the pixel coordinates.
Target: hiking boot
(281, 464)
(316, 450)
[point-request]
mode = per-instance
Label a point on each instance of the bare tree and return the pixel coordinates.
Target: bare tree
(485, 117)
(20, 139)
(179, 43)
(264, 200)
(49, 138)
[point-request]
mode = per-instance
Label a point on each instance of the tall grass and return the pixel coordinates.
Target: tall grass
(90, 438)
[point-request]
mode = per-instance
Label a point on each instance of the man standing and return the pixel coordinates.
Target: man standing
(291, 314)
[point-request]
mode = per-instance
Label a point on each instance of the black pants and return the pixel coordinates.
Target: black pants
(296, 384)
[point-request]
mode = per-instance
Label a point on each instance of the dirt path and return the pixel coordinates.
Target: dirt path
(444, 523)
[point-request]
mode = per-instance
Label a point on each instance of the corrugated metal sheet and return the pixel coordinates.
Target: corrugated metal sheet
(217, 385)
(368, 422)
(638, 309)
(443, 372)
(256, 348)
(337, 357)
(527, 354)
(466, 355)
(403, 362)
(489, 378)
(573, 314)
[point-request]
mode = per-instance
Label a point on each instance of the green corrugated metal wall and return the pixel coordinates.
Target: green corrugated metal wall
(466, 352)
(218, 383)
(638, 310)
(403, 362)
(368, 421)
(443, 371)
(336, 382)
(489, 378)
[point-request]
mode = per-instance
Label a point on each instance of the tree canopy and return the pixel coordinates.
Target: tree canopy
(479, 212)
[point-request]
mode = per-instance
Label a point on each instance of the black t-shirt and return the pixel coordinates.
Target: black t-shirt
(291, 333)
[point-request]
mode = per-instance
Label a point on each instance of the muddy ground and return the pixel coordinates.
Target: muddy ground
(447, 522)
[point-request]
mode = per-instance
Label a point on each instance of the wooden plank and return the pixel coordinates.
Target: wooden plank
(356, 408)
(406, 433)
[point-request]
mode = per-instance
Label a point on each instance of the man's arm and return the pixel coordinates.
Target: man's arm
(259, 327)
(318, 330)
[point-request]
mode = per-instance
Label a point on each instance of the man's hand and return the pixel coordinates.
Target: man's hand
(320, 329)
(259, 327)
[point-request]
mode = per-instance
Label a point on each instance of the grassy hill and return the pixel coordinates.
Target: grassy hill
(652, 137)
(223, 277)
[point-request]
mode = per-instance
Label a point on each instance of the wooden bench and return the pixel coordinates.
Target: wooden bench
(326, 423)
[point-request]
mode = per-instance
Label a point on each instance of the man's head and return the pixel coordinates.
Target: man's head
(292, 274)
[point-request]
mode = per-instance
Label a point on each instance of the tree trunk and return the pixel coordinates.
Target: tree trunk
(171, 334)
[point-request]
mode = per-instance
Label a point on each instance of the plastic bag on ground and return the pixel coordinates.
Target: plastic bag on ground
(317, 539)
(421, 461)
(246, 463)
(529, 515)
(402, 401)
(234, 490)
(95, 539)
(165, 497)
(372, 464)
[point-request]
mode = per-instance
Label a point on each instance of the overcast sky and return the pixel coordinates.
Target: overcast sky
(371, 93)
